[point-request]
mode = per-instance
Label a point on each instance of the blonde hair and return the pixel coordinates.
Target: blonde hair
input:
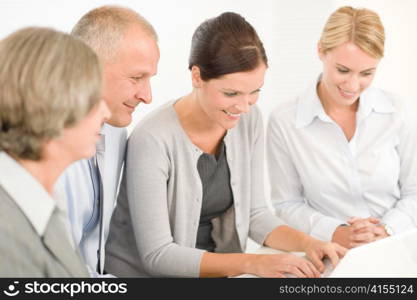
(49, 81)
(102, 28)
(361, 26)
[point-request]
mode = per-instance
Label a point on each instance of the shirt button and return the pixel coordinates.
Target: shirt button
(233, 183)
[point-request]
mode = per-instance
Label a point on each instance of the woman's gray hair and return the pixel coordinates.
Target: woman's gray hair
(49, 81)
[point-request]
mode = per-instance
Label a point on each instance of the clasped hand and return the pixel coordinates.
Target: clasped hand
(359, 232)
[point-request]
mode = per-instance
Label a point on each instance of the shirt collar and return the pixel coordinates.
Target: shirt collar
(26, 192)
(309, 105)
(105, 128)
(375, 100)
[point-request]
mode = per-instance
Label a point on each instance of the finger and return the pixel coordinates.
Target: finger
(365, 229)
(316, 272)
(357, 244)
(378, 231)
(353, 220)
(361, 225)
(341, 251)
(374, 220)
(333, 256)
(363, 237)
(317, 262)
(299, 272)
(278, 275)
(308, 268)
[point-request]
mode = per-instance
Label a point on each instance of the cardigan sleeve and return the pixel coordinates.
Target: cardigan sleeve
(147, 168)
(262, 220)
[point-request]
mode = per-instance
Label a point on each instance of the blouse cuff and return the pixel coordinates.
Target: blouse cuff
(398, 221)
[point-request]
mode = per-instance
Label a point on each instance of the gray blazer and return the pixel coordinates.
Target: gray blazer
(154, 227)
(23, 253)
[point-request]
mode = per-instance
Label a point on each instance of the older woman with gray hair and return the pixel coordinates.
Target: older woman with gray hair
(50, 116)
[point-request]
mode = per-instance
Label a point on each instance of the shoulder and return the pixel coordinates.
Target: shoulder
(285, 113)
(159, 127)
(399, 105)
(286, 108)
(14, 223)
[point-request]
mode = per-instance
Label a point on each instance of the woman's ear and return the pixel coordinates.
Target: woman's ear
(196, 77)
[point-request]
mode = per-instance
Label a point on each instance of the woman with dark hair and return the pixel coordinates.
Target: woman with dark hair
(193, 189)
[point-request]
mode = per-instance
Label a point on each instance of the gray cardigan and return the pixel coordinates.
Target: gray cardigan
(154, 227)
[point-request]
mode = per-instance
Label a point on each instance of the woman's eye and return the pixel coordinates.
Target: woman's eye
(342, 70)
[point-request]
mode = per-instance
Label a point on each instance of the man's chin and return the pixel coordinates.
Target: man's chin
(120, 122)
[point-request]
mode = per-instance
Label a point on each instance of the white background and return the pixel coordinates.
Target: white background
(289, 29)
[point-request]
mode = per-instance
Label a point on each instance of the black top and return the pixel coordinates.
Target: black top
(217, 194)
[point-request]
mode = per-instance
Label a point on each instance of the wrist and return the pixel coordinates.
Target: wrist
(338, 231)
(306, 242)
(248, 263)
(388, 229)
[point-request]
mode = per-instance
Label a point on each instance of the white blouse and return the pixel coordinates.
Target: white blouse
(319, 179)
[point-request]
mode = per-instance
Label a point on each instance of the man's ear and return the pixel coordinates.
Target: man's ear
(196, 77)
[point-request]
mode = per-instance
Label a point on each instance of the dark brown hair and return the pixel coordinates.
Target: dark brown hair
(226, 44)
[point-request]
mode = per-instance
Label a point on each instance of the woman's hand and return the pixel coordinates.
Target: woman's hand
(359, 232)
(277, 265)
(366, 230)
(317, 250)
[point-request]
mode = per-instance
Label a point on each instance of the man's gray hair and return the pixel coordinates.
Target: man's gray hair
(102, 28)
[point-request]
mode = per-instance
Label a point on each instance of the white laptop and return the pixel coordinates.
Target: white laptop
(395, 256)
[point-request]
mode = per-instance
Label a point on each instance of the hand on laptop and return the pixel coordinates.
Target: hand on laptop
(282, 265)
(317, 251)
(360, 232)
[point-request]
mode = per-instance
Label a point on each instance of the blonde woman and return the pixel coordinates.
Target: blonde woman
(50, 116)
(342, 155)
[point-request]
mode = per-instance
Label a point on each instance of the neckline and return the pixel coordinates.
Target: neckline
(184, 133)
(180, 128)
